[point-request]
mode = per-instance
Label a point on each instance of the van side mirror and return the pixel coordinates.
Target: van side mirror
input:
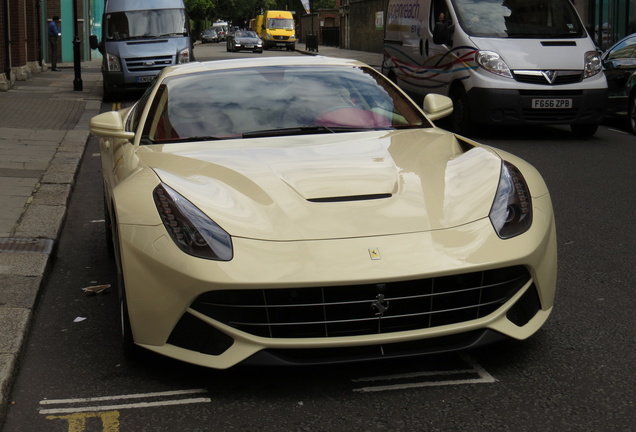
(92, 40)
(442, 33)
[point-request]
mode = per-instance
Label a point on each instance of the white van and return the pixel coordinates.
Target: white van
(515, 62)
(221, 28)
(139, 39)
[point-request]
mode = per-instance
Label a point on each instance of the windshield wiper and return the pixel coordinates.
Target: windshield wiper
(168, 35)
(192, 138)
(302, 130)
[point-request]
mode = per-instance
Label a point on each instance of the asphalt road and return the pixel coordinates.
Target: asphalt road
(577, 374)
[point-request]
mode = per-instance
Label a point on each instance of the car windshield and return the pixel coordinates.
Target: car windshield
(145, 23)
(519, 18)
(245, 34)
(280, 23)
(276, 101)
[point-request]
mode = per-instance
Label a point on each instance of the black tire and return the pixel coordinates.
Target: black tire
(132, 351)
(631, 112)
(585, 130)
(108, 230)
(393, 77)
(108, 96)
(461, 122)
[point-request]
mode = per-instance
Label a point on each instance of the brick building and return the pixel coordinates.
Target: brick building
(24, 46)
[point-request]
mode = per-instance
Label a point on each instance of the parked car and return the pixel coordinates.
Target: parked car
(303, 210)
(242, 40)
(221, 28)
(619, 63)
(209, 35)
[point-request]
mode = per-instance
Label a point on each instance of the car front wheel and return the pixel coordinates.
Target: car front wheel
(632, 112)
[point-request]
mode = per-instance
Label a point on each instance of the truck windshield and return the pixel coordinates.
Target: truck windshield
(145, 24)
(280, 23)
(519, 18)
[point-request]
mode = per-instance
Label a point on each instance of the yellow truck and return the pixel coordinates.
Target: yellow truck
(276, 29)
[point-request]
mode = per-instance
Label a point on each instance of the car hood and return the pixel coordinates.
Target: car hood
(332, 185)
(242, 39)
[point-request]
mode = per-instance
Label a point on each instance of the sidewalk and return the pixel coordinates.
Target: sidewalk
(43, 134)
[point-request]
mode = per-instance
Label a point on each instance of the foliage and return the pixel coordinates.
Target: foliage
(200, 10)
(241, 11)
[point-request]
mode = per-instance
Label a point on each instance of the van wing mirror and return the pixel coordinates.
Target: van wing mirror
(94, 44)
(437, 106)
(93, 41)
(442, 33)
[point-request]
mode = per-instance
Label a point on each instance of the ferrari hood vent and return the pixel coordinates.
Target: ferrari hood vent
(351, 198)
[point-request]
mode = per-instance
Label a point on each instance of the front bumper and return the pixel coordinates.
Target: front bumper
(514, 107)
(162, 284)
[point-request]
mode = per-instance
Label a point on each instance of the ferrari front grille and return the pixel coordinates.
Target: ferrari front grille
(355, 310)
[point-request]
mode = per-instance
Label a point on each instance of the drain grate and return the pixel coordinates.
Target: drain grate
(36, 245)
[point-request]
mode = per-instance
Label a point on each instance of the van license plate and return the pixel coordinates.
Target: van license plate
(551, 103)
(145, 79)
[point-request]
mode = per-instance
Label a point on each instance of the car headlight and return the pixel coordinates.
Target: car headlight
(184, 56)
(511, 212)
(112, 63)
(592, 64)
(193, 231)
(492, 62)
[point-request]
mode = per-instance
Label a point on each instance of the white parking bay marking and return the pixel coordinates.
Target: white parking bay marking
(473, 374)
(167, 398)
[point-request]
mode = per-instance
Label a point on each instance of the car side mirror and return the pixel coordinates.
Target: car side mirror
(109, 124)
(437, 106)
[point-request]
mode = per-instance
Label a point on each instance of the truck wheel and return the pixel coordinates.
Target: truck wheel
(584, 130)
(460, 119)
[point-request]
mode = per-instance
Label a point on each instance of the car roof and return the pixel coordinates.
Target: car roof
(212, 65)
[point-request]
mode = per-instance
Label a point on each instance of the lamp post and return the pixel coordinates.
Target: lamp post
(77, 82)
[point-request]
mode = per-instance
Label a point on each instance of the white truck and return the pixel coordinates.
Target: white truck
(513, 62)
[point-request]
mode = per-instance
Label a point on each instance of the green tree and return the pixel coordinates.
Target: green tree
(200, 10)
